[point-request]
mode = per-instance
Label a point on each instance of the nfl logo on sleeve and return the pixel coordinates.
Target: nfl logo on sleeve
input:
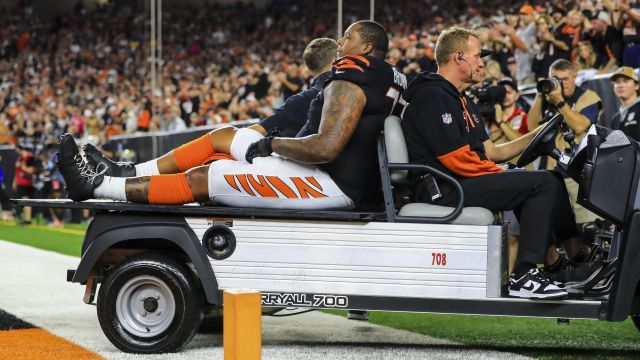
(446, 118)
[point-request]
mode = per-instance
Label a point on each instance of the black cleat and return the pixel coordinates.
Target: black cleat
(578, 277)
(115, 169)
(80, 178)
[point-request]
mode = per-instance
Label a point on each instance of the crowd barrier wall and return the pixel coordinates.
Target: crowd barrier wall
(148, 146)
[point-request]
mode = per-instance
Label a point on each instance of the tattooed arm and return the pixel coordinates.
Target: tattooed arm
(343, 105)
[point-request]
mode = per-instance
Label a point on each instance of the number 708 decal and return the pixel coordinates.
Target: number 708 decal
(439, 259)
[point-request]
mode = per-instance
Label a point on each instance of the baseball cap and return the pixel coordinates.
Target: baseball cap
(526, 10)
(508, 81)
(625, 71)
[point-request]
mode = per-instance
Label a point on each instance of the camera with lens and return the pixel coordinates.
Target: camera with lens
(487, 97)
(545, 86)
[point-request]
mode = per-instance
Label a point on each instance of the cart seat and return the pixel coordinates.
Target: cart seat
(396, 153)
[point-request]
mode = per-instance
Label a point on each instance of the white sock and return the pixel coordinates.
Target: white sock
(147, 168)
(111, 188)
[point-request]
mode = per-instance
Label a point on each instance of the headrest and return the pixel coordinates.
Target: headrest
(396, 146)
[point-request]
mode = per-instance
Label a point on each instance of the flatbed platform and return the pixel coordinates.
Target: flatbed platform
(195, 209)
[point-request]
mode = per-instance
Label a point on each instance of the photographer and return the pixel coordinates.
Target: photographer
(510, 121)
(581, 108)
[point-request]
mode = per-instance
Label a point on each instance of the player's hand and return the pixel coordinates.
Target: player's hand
(260, 148)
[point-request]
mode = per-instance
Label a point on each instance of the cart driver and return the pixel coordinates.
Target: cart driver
(443, 129)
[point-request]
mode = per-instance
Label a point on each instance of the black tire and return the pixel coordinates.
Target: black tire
(128, 296)
(212, 322)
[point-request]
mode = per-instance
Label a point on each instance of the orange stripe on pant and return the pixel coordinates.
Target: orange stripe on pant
(282, 187)
(193, 153)
(314, 182)
(170, 189)
(231, 180)
(305, 189)
(242, 178)
(261, 186)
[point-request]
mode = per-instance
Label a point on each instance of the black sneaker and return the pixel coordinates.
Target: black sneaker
(579, 276)
(80, 178)
(115, 169)
(534, 285)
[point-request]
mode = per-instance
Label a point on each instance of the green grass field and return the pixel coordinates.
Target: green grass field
(538, 338)
(65, 241)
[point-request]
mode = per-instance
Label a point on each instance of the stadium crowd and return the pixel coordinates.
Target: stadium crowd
(87, 72)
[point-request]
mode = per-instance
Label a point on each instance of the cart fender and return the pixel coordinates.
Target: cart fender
(108, 230)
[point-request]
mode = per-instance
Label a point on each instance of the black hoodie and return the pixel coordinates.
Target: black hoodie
(444, 129)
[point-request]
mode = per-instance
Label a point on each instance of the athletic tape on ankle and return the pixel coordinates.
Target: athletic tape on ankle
(193, 153)
(111, 188)
(169, 189)
(147, 168)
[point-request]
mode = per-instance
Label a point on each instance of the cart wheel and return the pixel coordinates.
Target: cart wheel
(149, 303)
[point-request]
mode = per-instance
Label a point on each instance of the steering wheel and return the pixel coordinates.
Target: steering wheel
(543, 143)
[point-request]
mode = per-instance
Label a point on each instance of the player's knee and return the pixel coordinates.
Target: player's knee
(198, 179)
(259, 128)
(223, 131)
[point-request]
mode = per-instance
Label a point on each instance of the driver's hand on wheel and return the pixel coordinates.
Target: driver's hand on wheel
(555, 96)
(260, 148)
